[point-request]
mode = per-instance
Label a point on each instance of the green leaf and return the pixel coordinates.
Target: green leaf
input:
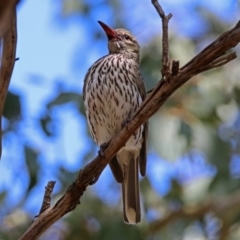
(175, 194)
(2, 195)
(237, 95)
(31, 156)
(45, 121)
(220, 156)
(67, 97)
(12, 106)
(63, 98)
(186, 130)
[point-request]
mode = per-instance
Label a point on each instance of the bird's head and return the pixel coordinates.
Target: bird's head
(121, 41)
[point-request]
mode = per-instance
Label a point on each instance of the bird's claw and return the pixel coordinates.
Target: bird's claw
(102, 149)
(128, 119)
(97, 174)
(125, 122)
(94, 180)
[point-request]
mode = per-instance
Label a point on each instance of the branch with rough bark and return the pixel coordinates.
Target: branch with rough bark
(8, 32)
(47, 196)
(6, 9)
(214, 55)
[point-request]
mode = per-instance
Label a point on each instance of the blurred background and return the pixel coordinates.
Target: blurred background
(191, 191)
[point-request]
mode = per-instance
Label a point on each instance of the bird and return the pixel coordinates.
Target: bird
(113, 90)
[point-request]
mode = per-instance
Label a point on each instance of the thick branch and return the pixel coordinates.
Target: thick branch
(207, 59)
(7, 61)
(6, 8)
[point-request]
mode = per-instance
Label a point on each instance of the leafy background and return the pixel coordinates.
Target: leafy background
(194, 142)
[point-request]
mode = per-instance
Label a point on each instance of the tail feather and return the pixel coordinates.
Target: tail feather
(130, 192)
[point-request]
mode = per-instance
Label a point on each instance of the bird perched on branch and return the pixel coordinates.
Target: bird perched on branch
(113, 90)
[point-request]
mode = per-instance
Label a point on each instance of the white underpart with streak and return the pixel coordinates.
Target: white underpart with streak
(108, 94)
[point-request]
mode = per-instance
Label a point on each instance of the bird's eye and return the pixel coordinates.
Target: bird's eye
(126, 37)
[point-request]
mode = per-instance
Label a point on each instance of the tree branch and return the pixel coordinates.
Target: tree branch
(212, 56)
(6, 8)
(47, 196)
(165, 55)
(9, 42)
(220, 205)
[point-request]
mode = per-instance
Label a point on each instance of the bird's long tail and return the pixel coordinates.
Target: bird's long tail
(130, 189)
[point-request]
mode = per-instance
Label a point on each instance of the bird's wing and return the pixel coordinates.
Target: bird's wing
(116, 170)
(143, 153)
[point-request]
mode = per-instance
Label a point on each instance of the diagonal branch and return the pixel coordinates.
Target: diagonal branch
(211, 57)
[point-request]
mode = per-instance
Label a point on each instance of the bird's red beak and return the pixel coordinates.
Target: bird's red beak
(109, 31)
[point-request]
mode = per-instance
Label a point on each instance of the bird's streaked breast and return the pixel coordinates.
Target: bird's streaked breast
(110, 94)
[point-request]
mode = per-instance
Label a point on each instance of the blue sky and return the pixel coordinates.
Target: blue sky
(56, 52)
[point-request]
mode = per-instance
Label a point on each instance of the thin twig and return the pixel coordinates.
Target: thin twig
(159, 9)
(47, 196)
(165, 49)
